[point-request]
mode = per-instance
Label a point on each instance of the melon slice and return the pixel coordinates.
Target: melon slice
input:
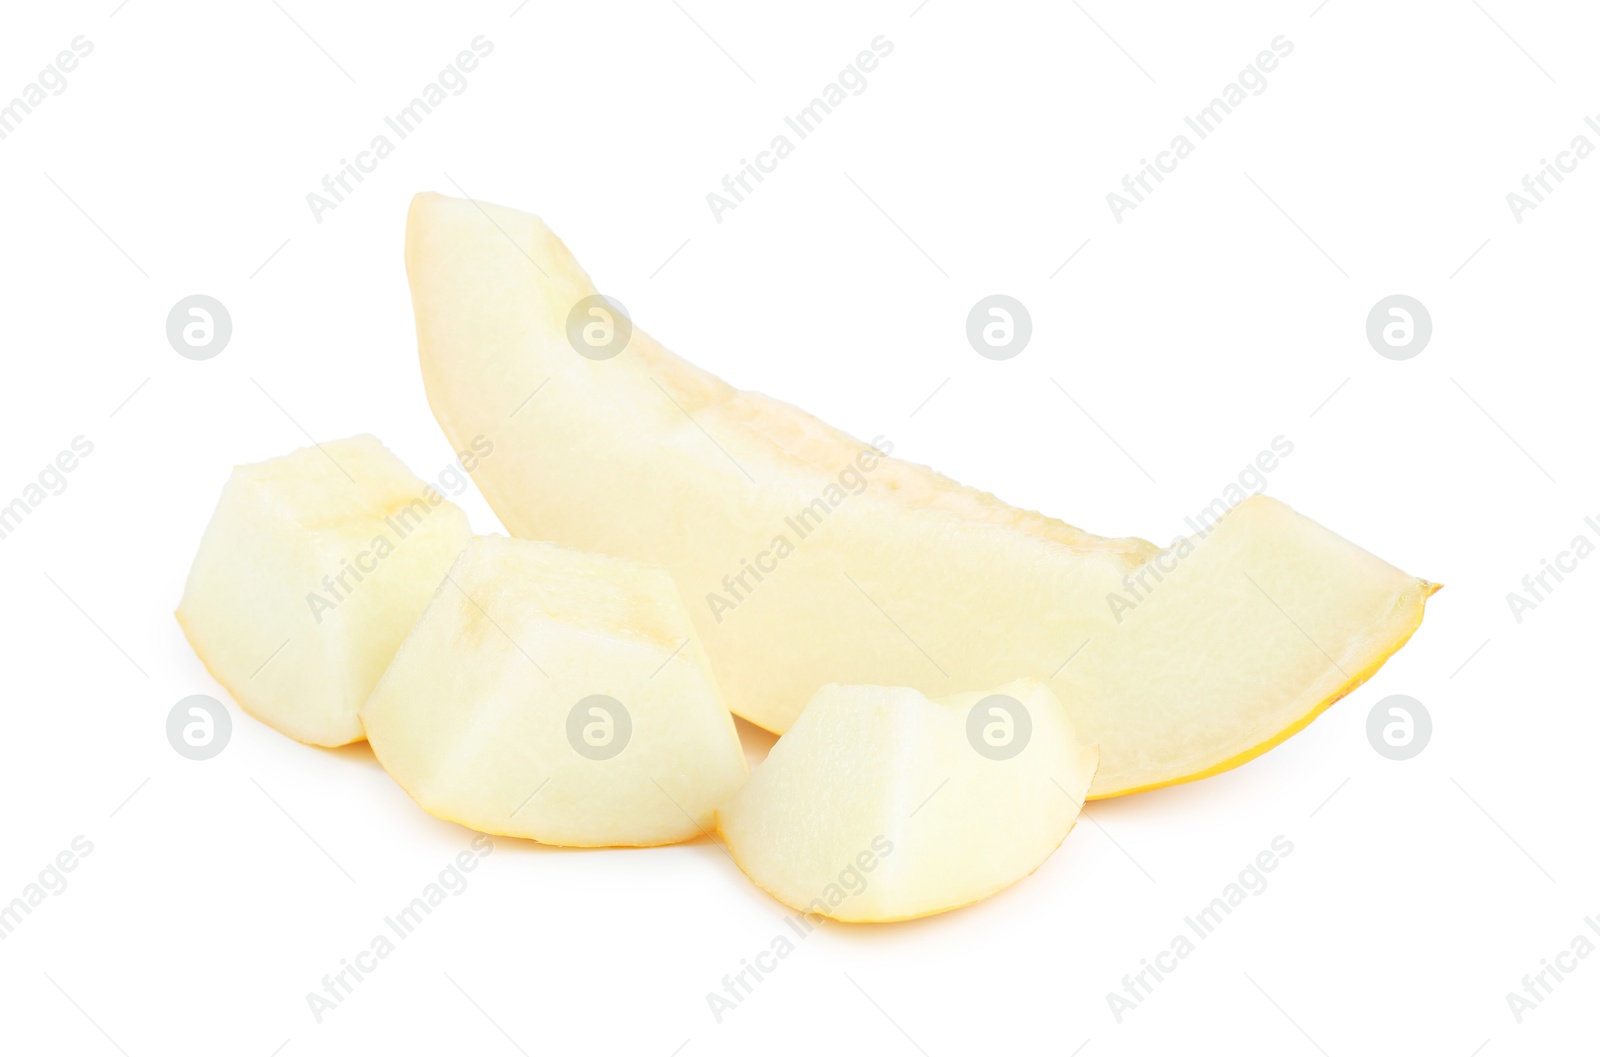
(312, 570)
(808, 558)
(881, 805)
(557, 695)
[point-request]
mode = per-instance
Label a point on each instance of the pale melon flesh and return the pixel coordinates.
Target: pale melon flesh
(560, 696)
(881, 805)
(309, 575)
(807, 557)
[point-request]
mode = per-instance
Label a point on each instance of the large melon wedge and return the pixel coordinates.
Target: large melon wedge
(881, 805)
(557, 695)
(312, 570)
(808, 558)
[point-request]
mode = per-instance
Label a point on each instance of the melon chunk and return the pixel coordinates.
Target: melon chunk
(312, 570)
(557, 695)
(807, 557)
(881, 805)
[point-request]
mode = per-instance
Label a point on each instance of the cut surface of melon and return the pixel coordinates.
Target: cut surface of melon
(312, 569)
(881, 805)
(807, 557)
(560, 696)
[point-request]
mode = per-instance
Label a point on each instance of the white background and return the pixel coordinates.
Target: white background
(1208, 322)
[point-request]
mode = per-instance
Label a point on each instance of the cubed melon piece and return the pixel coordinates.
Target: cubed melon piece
(557, 695)
(880, 804)
(312, 570)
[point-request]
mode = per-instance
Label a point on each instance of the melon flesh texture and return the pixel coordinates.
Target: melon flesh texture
(298, 653)
(807, 558)
(876, 806)
(472, 717)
